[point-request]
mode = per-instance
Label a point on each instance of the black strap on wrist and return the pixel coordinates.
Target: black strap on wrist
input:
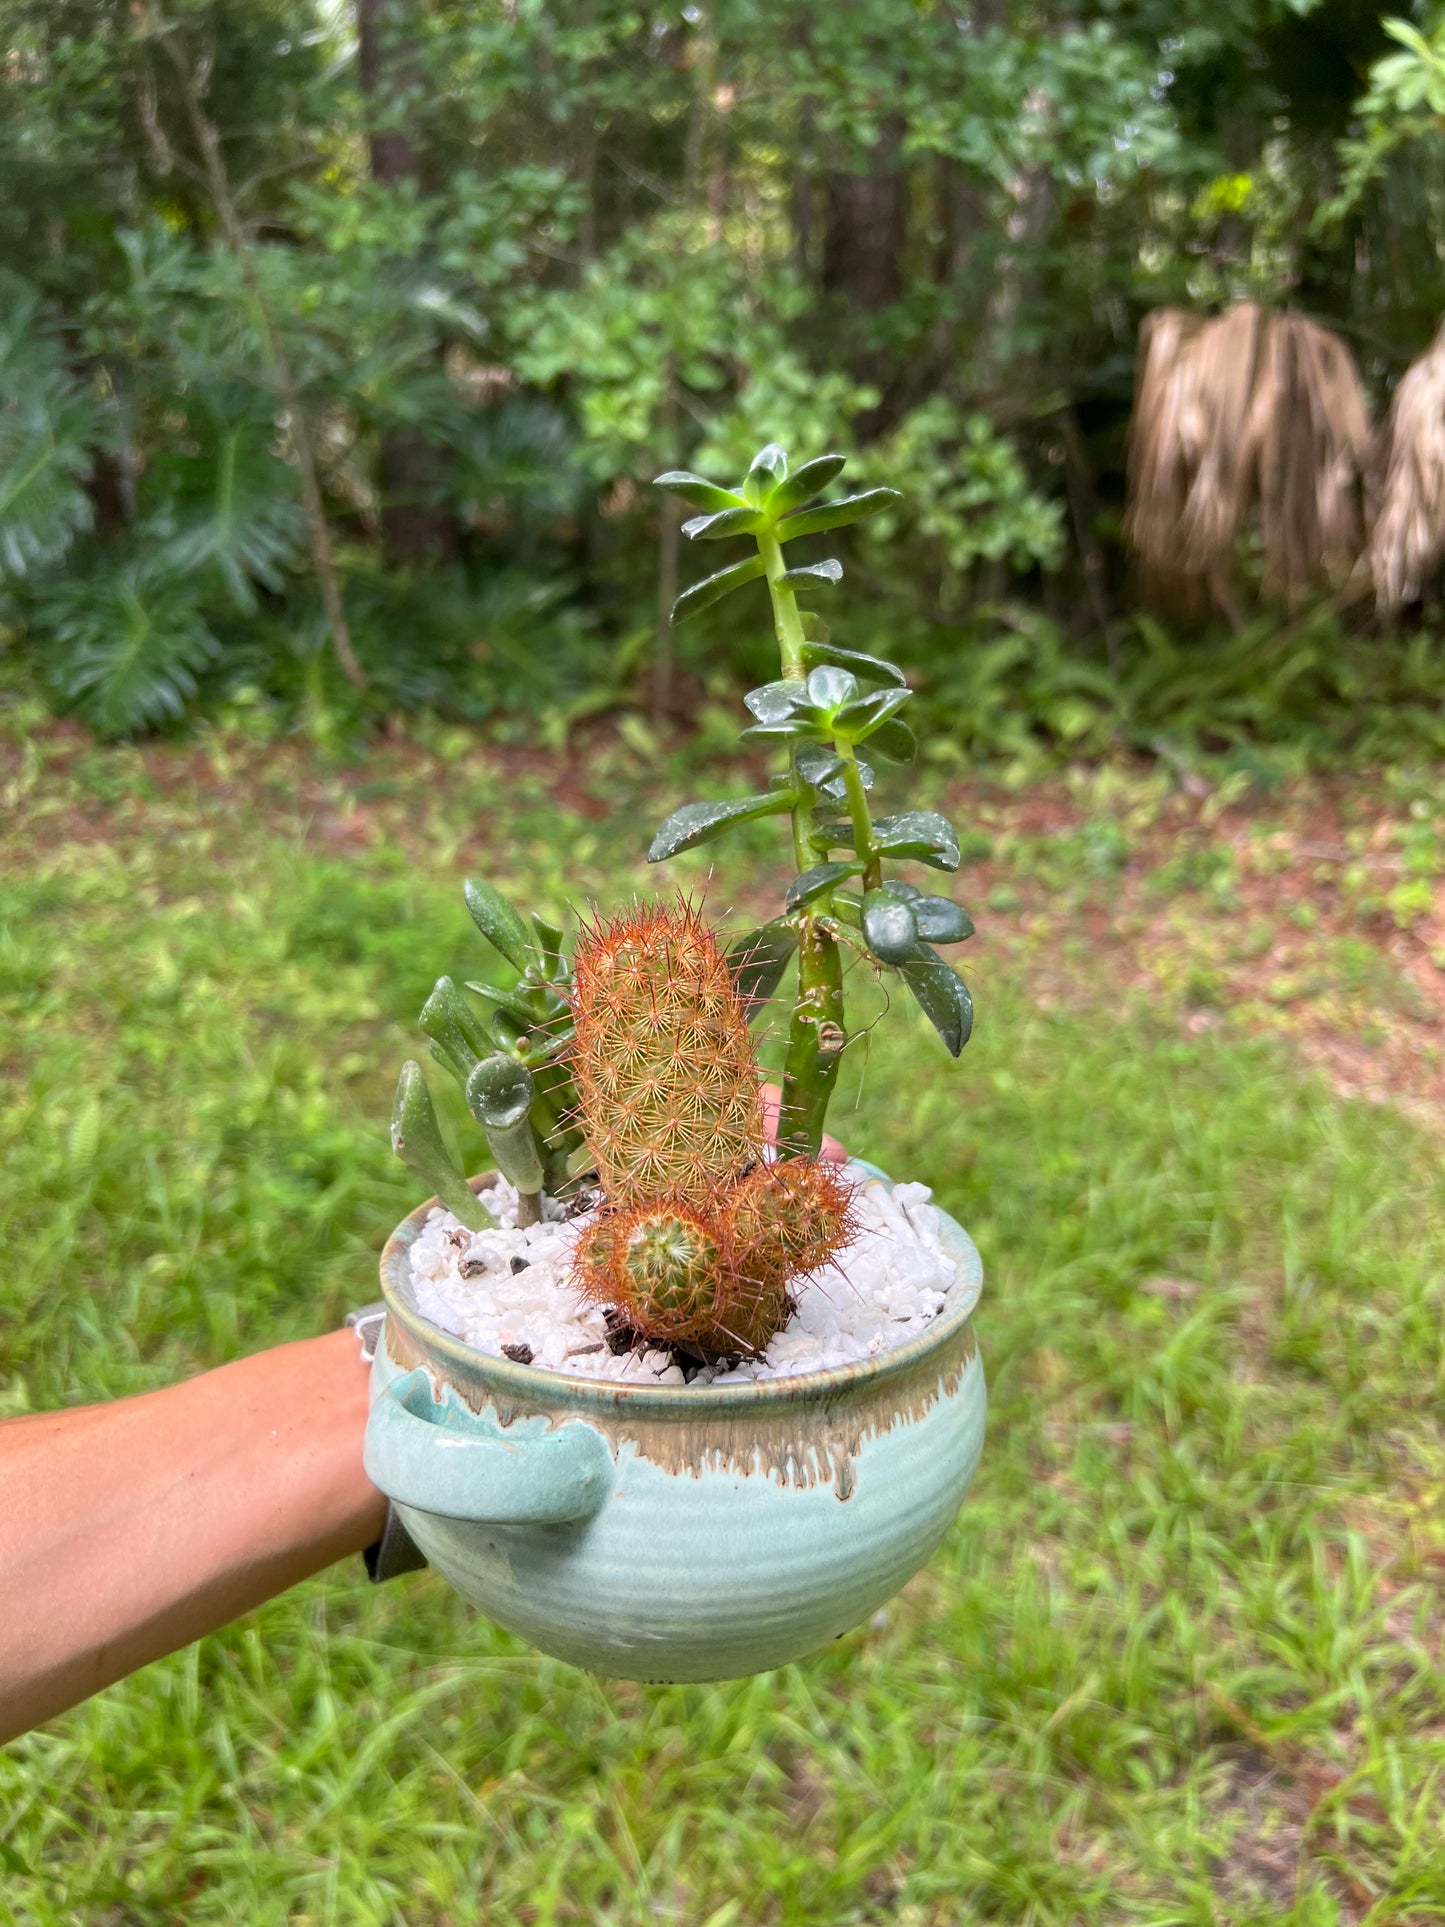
(395, 1552)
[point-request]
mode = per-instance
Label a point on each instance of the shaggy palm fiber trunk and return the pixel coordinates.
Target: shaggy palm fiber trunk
(1245, 419)
(1407, 546)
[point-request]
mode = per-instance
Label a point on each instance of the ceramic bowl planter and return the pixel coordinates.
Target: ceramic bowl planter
(675, 1533)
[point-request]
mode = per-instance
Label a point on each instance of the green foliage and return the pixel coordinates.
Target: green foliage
(968, 498)
(50, 430)
(226, 504)
(126, 645)
(509, 1059)
(1307, 694)
(1401, 109)
(514, 261)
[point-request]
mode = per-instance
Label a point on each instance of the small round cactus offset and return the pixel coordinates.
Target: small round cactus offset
(698, 1238)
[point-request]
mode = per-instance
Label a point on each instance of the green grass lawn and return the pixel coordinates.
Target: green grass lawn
(1178, 1661)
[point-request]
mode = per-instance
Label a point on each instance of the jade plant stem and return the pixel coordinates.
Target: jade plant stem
(816, 1034)
(788, 624)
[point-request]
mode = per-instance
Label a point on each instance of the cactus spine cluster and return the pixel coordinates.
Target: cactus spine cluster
(699, 1237)
(662, 1062)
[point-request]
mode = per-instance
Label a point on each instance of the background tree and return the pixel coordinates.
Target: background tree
(360, 330)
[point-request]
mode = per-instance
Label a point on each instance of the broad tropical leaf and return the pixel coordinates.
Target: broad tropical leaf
(229, 505)
(49, 430)
(123, 646)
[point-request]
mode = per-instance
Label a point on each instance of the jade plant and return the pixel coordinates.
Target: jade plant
(827, 705)
(633, 1063)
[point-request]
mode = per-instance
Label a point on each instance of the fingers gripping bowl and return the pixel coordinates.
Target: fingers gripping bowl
(676, 1532)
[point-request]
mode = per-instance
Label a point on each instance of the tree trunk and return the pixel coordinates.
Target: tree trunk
(413, 529)
(287, 389)
(864, 226)
(863, 231)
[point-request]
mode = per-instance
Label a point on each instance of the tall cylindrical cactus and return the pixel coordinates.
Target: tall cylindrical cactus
(662, 1061)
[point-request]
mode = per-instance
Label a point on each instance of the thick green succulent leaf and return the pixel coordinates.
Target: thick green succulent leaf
(702, 595)
(831, 830)
(857, 720)
(819, 765)
(812, 574)
(816, 882)
(769, 467)
(830, 689)
(941, 920)
(806, 482)
(549, 943)
(889, 929)
(454, 1027)
(512, 1001)
(894, 740)
(923, 835)
(822, 767)
(774, 702)
(695, 489)
(508, 1030)
(758, 960)
(500, 1092)
(805, 726)
(838, 515)
(816, 631)
(942, 996)
(713, 528)
(517, 1157)
(866, 668)
(499, 1097)
(417, 1140)
(698, 823)
(499, 923)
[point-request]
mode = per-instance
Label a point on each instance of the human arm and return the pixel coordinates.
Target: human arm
(130, 1529)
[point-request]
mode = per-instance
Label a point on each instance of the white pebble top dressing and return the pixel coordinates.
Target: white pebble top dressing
(513, 1287)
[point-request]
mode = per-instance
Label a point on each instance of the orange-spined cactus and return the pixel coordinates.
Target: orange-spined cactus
(699, 1238)
(663, 1063)
(664, 1266)
(790, 1218)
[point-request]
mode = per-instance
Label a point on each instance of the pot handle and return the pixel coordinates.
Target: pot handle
(438, 1456)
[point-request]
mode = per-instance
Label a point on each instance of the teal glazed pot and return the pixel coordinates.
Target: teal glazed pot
(675, 1532)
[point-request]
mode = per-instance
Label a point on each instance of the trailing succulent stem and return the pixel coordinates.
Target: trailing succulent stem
(697, 1240)
(826, 703)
